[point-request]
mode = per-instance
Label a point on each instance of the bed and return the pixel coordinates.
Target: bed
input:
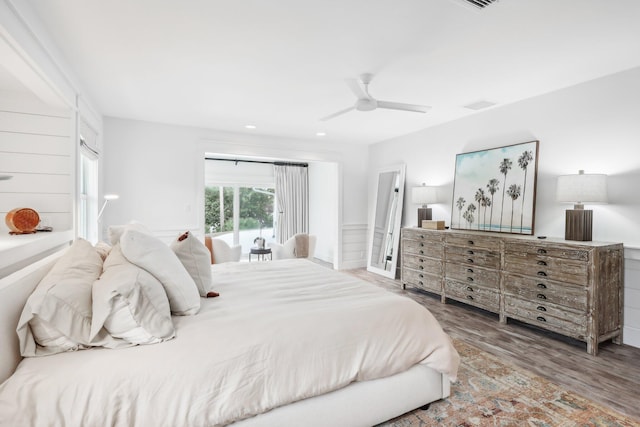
(286, 343)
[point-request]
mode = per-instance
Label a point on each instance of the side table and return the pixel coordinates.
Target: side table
(260, 253)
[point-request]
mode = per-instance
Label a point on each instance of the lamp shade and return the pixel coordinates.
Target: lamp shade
(581, 188)
(424, 195)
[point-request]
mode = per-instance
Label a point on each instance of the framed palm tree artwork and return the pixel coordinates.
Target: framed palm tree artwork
(495, 189)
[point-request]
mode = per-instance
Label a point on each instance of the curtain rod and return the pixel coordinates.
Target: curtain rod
(301, 165)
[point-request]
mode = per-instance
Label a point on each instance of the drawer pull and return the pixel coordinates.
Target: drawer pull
(422, 236)
(469, 279)
(542, 263)
(421, 252)
(420, 282)
(469, 270)
(470, 297)
(471, 242)
(541, 286)
(469, 252)
(421, 275)
(420, 259)
(541, 296)
(421, 244)
(542, 251)
(469, 288)
(470, 260)
(541, 308)
(421, 267)
(542, 319)
(542, 273)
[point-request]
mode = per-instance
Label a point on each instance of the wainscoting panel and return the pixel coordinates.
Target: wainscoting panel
(354, 246)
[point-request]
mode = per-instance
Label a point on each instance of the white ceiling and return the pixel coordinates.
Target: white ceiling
(280, 65)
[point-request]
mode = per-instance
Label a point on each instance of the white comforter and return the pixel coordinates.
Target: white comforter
(279, 332)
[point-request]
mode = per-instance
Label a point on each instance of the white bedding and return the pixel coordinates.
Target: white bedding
(280, 331)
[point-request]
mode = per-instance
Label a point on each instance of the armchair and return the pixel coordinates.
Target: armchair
(221, 251)
(287, 249)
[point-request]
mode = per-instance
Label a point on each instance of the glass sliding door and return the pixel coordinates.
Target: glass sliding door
(239, 214)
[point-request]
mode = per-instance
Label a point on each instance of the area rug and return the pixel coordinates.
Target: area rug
(489, 392)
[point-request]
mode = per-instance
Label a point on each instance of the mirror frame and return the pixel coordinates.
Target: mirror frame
(400, 168)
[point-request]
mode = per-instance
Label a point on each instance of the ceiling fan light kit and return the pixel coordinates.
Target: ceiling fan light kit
(366, 102)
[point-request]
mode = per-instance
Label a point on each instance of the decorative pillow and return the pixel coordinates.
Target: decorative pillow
(196, 259)
(157, 258)
(130, 303)
(103, 249)
(116, 231)
(57, 315)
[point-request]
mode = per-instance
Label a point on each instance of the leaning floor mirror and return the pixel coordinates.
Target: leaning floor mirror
(384, 236)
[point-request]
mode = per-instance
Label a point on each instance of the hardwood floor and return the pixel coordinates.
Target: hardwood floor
(612, 378)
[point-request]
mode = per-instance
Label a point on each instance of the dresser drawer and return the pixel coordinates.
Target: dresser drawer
(542, 290)
(547, 250)
(421, 280)
(422, 235)
(473, 275)
(473, 241)
(547, 316)
(473, 295)
(472, 256)
(564, 270)
(427, 248)
(423, 264)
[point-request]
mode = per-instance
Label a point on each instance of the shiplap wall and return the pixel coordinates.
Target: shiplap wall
(36, 148)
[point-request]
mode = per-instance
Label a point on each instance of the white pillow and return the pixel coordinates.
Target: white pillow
(130, 303)
(116, 231)
(57, 316)
(196, 259)
(157, 258)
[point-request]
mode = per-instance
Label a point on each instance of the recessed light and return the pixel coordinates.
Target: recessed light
(250, 126)
(321, 133)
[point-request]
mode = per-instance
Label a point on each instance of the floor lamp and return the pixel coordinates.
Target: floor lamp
(107, 199)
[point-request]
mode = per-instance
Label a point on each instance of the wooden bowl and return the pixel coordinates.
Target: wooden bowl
(22, 220)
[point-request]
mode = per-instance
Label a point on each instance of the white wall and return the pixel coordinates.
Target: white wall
(593, 126)
(158, 171)
(324, 209)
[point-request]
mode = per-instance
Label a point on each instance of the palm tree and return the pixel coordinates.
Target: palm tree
(523, 162)
(486, 202)
(514, 193)
(505, 166)
(469, 214)
(460, 204)
(479, 198)
(492, 187)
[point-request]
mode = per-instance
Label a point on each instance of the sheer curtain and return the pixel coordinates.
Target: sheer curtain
(292, 197)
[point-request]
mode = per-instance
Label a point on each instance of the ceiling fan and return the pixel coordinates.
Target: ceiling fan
(366, 102)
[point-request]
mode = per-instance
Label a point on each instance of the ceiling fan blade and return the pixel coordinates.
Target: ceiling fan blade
(403, 107)
(331, 116)
(357, 89)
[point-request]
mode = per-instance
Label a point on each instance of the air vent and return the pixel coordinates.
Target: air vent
(480, 105)
(480, 4)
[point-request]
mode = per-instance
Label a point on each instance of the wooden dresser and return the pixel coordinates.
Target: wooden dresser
(571, 288)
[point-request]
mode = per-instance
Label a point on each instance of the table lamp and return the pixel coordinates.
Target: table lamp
(424, 195)
(578, 189)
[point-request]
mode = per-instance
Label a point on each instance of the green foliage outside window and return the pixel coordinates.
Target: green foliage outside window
(255, 209)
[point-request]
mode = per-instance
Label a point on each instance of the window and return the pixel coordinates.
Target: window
(238, 214)
(88, 186)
